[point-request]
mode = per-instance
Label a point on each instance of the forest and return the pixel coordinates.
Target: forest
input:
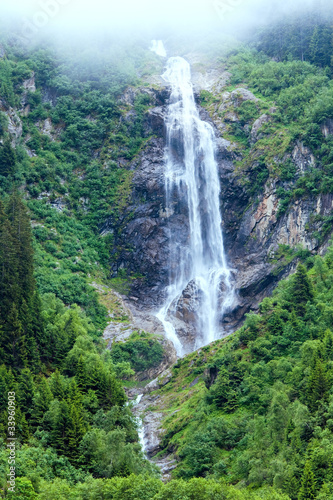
(258, 422)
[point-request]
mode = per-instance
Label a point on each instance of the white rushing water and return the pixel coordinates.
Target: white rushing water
(157, 46)
(192, 175)
(141, 431)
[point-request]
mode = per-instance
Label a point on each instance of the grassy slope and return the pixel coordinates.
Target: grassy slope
(268, 412)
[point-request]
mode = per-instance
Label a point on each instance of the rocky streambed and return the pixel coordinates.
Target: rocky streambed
(151, 422)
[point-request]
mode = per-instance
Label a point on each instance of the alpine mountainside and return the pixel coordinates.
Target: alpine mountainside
(85, 227)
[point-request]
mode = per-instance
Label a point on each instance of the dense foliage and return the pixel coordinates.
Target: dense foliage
(256, 410)
(289, 70)
(264, 397)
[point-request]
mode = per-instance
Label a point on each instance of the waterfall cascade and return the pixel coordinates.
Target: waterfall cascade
(141, 430)
(192, 176)
(157, 46)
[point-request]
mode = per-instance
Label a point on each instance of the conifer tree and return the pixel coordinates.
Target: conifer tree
(9, 273)
(22, 427)
(76, 426)
(57, 386)
(7, 159)
(37, 324)
(26, 392)
(3, 388)
(317, 385)
(308, 485)
(13, 341)
(275, 323)
(80, 373)
(301, 291)
(328, 343)
(59, 438)
(41, 401)
(21, 230)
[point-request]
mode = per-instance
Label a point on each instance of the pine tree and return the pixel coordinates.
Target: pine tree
(308, 485)
(81, 374)
(13, 341)
(275, 323)
(37, 325)
(41, 401)
(301, 291)
(9, 274)
(21, 231)
(320, 45)
(59, 438)
(57, 386)
(76, 425)
(26, 392)
(317, 385)
(22, 427)
(3, 388)
(328, 343)
(7, 159)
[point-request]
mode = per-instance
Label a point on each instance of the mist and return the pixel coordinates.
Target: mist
(36, 18)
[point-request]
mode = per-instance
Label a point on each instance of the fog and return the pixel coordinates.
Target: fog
(193, 20)
(148, 14)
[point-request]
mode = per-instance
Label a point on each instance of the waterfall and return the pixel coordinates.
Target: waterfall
(141, 431)
(192, 182)
(157, 46)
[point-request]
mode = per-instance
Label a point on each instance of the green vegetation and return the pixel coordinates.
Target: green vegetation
(141, 350)
(71, 417)
(263, 397)
(288, 67)
(248, 417)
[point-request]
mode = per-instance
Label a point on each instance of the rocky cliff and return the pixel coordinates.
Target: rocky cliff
(262, 241)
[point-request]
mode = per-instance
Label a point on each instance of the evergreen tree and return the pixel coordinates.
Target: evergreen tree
(81, 374)
(37, 324)
(59, 437)
(26, 392)
(76, 426)
(21, 230)
(43, 397)
(317, 385)
(57, 386)
(308, 485)
(7, 159)
(301, 290)
(9, 273)
(13, 341)
(328, 343)
(320, 45)
(275, 322)
(22, 427)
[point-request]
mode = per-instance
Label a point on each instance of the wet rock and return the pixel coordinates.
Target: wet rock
(163, 379)
(59, 204)
(212, 80)
(303, 158)
(235, 99)
(127, 319)
(30, 84)
(255, 135)
(252, 229)
(169, 358)
(15, 127)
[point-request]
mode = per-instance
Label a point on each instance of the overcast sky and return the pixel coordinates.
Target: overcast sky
(80, 14)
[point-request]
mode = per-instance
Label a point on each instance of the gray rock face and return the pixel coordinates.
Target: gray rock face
(257, 126)
(235, 99)
(15, 127)
(252, 229)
